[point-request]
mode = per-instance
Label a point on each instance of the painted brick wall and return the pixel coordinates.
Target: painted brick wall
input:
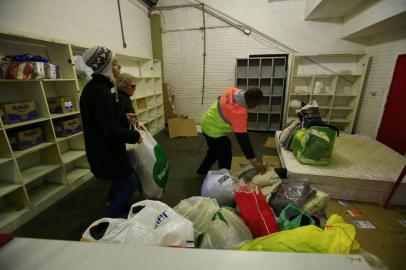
(377, 85)
(183, 58)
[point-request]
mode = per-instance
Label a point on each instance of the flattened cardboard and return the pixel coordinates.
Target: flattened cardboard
(270, 142)
(179, 127)
(383, 219)
(236, 163)
(274, 161)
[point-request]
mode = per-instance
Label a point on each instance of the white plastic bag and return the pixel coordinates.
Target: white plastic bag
(149, 223)
(219, 185)
(199, 210)
(226, 231)
(151, 164)
(119, 231)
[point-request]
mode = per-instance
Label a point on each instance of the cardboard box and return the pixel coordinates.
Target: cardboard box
(20, 111)
(179, 127)
(60, 104)
(26, 138)
(168, 99)
(68, 127)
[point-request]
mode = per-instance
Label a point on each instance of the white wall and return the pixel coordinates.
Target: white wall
(371, 14)
(284, 21)
(183, 50)
(183, 61)
(87, 22)
(377, 85)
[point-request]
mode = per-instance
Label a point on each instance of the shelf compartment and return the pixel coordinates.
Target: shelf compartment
(76, 174)
(24, 123)
(342, 108)
(322, 100)
(263, 105)
(263, 120)
(147, 68)
(266, 67)
(61, 139)
(323, 85)
(338, 120)
(39, 163)
(344, 101)
(156, 68)
(277, 87)
(77, 170)
(60, 115)
(252, 121)
(43, 193)
(276, 104)
(37, 171)
(253, 68)
(347, 85)
(242, 83)
(72, 155)
(12, 206)
(47, 139)
(141, 104)
(265, 86)
(42, 189)
(4, 160)
(158, 86)
(56, 52)
(301, 85)
(279, 67)
(72, 149)
(9, 177)
(59, 90)
(253, 83)
(20, 153)
(5, 149)
(242, 68)
(274, 124)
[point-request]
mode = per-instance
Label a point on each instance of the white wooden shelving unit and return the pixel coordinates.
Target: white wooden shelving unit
(34, 178)
(342, 76)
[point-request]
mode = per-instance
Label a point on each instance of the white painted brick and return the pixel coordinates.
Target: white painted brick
(378, 81)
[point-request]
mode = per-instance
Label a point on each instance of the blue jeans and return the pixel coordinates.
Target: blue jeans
(121, 191)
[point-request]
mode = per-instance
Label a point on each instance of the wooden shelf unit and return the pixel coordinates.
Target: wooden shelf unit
(341, 76)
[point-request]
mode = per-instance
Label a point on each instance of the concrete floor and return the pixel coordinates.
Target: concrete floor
(68, 218)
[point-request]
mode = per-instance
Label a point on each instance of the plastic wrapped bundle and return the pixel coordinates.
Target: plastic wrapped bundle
(316, 204)
(267, 182)
(297, 192)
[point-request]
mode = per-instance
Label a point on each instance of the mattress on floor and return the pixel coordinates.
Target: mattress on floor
(361, 169)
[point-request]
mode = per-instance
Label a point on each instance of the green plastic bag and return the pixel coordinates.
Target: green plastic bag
(337, 237)
(293, 217)
(314, 145)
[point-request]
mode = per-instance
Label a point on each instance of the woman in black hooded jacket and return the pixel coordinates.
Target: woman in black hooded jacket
(104, 138)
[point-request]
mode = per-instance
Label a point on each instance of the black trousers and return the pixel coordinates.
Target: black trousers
(220, 151)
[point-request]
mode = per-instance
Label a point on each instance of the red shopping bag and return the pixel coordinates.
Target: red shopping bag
(255, 211)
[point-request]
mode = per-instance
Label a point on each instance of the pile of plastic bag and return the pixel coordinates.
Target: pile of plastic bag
(270, 214)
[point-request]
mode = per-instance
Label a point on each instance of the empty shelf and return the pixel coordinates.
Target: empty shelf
(6, 188)
(72, 155)
(76, 174)
(37, 171)
(43, 192)
(20, 153)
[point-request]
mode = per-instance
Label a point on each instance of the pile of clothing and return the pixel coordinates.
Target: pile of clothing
(27, 67)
